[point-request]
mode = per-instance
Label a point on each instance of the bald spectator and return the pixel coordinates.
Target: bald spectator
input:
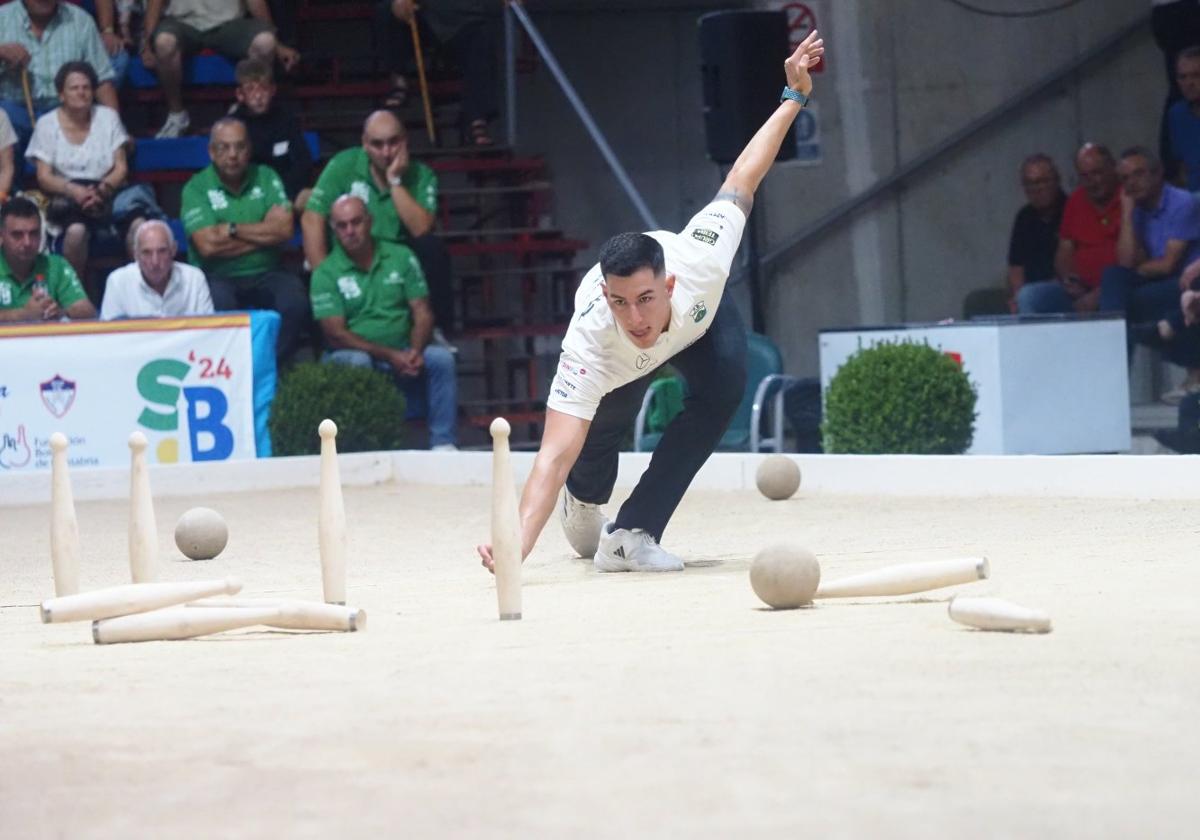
(370, 298)
(154, 285)
(1034, 238)
(1087, 239)
(238, 217)
(192, 25)
(39, 37)
(401, 196)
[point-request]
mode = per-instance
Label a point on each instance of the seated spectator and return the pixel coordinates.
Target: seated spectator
(79, 151)
(401, 196)
(1160, 236)
(1183, 119)
(35, 286)
(154, 285)
(237, 217)
(192, 25)
(38, 37)
(8, 140)
(1087, 239)
(1034, 239)
(1177, 334)
(371, 301)
(467, 29)
(274, 128)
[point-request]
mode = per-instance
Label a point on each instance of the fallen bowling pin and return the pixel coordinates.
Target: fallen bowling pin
(998, 614)
(297, 615)
(907, 578)
(177, 622)
(132, 598)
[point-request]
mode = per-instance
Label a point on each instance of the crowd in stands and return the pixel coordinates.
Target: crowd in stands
(380, 288)
(1127, 238)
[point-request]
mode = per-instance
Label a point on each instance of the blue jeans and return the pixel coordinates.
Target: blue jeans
(436, 387)
(1043, 298)
(1124, 290)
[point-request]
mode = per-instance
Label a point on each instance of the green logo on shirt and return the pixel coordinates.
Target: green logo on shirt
(698, 312)
(708, 237)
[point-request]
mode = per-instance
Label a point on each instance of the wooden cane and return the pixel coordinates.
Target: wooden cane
(421, 80)
(28, 94)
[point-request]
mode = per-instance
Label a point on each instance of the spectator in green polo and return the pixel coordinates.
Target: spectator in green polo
(35, 286)
(370, 298)
(401, 196)
(237, 217)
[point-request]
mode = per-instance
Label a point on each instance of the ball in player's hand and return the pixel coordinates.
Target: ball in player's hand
(785, 576)
(201, 533)
(778, 477)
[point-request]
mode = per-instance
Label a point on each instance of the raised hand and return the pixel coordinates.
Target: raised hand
(798, 64)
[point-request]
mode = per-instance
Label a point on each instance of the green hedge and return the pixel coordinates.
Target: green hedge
(365, 404)
(899, 397)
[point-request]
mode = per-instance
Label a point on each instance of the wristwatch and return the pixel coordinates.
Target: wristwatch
(794, 95)
(233, 230)
(395, 180)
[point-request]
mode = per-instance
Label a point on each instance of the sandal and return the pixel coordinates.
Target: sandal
(479, 135)
(397, 97)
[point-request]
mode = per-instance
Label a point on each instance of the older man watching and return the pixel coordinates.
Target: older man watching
(238, 216)
(1087, 239)
(1034, 238)
(401, 196)
(1160, 235)
(35, 286)
(38, 37)
(370, 298)
(154, 285)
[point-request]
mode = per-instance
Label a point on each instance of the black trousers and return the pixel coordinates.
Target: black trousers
(472, 46)
(715, 370)
(435, 263)
(278, 290)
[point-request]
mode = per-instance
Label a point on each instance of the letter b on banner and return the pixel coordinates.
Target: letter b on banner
(209, 427)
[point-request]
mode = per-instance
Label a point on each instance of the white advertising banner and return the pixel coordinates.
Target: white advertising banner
(186, 383)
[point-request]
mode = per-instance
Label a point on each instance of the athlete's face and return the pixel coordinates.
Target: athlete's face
(641, 303)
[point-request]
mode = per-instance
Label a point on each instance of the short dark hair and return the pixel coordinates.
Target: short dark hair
(19, 207)
(626, 253)
(253, 70)
(82, 67)
(1143, 152)
(1036, 158)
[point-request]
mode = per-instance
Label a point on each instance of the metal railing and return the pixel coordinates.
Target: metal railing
(515, 13)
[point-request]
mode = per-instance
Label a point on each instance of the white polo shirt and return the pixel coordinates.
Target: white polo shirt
(126, 294)
(598, 356)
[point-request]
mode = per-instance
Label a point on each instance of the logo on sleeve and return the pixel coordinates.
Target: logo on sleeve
(708, 237)
(698, 312)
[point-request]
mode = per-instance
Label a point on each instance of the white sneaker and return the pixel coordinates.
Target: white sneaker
(581, 523)
(622, 550)
(444, 447)
(177, 123)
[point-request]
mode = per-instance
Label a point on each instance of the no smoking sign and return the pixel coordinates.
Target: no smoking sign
(801, 19)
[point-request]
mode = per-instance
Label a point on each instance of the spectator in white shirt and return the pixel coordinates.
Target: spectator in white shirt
(155, 285)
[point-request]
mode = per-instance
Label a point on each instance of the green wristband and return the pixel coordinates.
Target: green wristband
(794, 95)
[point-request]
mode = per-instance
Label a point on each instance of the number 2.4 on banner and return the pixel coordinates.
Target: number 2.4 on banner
(210, 369)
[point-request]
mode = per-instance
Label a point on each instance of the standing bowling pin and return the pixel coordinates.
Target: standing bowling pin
(331, 526)
(143, 531)
(506, 526)
(64, 529)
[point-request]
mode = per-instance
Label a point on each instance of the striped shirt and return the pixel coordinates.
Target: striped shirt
(71, 35)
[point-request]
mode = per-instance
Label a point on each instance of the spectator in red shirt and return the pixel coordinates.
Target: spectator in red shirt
(1087, 240)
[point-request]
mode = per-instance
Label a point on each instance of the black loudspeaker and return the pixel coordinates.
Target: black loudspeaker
(741, 60)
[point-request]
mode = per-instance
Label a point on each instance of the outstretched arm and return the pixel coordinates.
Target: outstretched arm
(561, 443)
(754, 161)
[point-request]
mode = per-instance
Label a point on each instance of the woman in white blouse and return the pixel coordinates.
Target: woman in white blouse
(79, 150)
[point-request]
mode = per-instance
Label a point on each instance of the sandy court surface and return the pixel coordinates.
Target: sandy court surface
(622, 705)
